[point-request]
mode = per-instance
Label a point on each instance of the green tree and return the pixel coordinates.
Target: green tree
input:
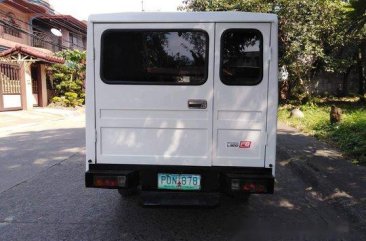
(309, 31)
(68, 78)
(357, 29)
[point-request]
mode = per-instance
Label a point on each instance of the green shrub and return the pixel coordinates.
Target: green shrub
(68, 79)
(349, 135)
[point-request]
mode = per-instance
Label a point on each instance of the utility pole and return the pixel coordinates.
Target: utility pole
(142, 6)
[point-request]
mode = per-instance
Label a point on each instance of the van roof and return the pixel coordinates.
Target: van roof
(179, 17)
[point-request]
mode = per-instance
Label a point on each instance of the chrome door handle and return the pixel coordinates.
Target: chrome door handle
(197, 104)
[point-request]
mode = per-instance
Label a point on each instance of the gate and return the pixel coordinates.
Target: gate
(10, 87)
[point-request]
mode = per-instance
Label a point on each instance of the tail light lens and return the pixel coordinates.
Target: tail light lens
(248, 186)
(110, 181)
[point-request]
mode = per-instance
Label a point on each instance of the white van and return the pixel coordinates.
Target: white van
(182, 103)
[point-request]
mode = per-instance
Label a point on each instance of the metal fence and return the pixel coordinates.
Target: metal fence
(9, 78)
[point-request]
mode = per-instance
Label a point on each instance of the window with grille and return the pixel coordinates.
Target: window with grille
(10, 25)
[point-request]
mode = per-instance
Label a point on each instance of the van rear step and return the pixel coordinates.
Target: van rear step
(155, 198)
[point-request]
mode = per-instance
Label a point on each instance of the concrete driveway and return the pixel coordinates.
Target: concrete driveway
(12, 121)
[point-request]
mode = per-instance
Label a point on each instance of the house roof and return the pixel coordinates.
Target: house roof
(32, 52)
(26, 6)
(66, 20)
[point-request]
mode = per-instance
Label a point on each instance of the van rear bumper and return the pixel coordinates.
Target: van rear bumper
(231, 180)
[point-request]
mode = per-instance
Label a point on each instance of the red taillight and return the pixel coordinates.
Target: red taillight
(249, 187)
(109, 181)
(253, 188)
(99, 182)
(260, 188)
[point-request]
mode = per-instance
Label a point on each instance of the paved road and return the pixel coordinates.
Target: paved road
(26, 150)
(52, 204)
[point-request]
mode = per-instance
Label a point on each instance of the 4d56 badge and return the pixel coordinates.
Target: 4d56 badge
(241, 144)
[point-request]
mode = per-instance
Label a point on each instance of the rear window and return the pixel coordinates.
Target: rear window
(171, 57)
(241, 57)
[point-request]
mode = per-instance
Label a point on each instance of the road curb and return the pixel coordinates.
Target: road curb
(65, 113)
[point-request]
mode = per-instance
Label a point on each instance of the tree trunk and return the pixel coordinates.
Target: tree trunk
(284, 90)
(345, 82)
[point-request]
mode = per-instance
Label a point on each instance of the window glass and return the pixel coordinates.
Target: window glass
(173, 57)
(241, 57)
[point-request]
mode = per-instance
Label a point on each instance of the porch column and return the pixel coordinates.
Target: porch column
(23, 95)
(43, 101)
(28, 105)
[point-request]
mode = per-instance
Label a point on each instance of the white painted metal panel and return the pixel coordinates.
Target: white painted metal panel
(272, 101)
(152, 124)
(126, 144)
(183, 17)
(90, 154)
(12, 101)
(233, 154)
(35, 100)
(240, 112)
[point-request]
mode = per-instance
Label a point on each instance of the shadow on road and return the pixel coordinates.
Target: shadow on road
(323, 161)
(24, 154)
(332, 179)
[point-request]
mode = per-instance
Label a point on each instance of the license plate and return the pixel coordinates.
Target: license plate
(179, 181)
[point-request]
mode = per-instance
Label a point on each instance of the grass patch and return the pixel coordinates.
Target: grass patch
(349, 135)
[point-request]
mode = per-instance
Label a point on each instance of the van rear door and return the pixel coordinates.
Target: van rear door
(154, 93)
(242, 55)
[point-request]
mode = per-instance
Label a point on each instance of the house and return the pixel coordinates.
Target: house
(30, 34)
